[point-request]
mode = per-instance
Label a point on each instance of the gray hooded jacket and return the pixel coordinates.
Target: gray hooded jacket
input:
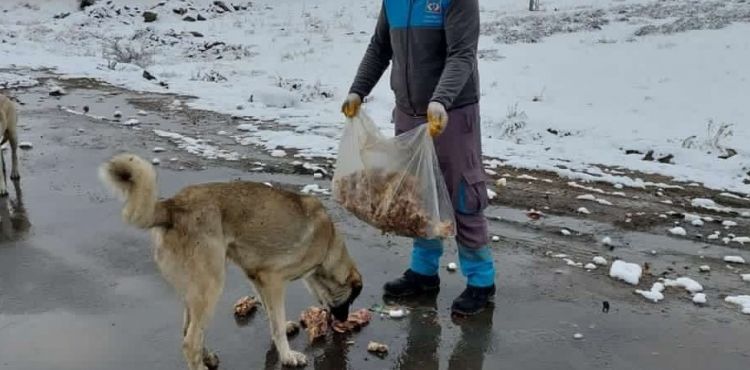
(433, 47)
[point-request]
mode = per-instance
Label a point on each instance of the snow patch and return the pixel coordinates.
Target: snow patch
(655, 294)
(591, 197)
(741, 300)
(599, 260)
(734, 259)
(689, 284)
(491, 194)
(679, 231)
(314, 188)
(278, 153)
(584, 211)
(627, 272)
(197, 146)
(699, 298)
(709, 204)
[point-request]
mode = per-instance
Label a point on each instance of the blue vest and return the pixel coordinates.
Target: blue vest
(415, 13)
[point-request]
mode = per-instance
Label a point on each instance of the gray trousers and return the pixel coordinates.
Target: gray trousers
(459, 151)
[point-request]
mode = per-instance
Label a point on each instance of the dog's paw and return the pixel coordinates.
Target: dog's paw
(211, 360)
(293, 358)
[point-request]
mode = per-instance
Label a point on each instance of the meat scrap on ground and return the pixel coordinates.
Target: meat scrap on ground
(318, 322)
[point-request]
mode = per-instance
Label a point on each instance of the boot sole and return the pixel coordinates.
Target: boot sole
(490, 303)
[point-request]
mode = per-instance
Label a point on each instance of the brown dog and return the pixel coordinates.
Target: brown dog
(274, 236)
(8, 130)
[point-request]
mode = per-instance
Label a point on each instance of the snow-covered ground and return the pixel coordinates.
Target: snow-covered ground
(572, 88)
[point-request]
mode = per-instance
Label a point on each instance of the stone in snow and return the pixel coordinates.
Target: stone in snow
(578, 336)
(452, 267)
(704, 268)
(25, 145)
(117, 114)
(158, 149)
(584, 210)
(142, 113)
(697, 222)
(132, 122)
(590, 266)
(317, 175)
(607, 241)
(565, 232)
(155, 161)
(495, 238)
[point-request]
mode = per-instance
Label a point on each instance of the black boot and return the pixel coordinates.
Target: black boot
(411, 284)
(473, 300)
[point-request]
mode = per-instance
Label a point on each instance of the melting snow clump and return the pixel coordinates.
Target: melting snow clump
(627, 272)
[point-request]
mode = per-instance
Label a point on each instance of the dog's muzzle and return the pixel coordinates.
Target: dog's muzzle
(341, 312)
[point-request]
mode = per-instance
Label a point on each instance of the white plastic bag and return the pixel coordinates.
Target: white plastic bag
(393, 184)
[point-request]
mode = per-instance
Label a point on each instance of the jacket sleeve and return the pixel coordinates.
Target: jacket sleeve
(376, 59)
(462, 39)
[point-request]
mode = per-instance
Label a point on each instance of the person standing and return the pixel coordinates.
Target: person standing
(431, 46)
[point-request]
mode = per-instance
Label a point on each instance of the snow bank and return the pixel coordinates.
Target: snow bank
(627, 272)
(679, 231)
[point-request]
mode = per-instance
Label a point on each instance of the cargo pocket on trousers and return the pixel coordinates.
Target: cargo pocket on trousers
(472, 192)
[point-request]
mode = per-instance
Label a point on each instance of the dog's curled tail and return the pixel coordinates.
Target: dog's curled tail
(134, 180)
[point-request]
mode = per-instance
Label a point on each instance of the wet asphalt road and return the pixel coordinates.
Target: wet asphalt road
(79, 290)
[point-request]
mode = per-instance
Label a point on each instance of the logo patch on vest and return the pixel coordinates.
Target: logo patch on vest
(434, 7)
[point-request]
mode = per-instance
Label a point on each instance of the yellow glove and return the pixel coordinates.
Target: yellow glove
(437, 118)
(351, 105)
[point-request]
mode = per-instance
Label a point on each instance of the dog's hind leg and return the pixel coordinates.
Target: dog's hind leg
(200, 306)
(4, 182)
(204, 284)
(13, 141)
(272, 291)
